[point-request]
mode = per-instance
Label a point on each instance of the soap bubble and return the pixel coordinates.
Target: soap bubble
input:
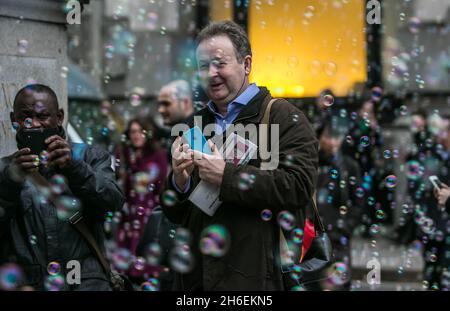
(169, 198)
(10, 276)
(391, 181)
(67, 206)
(377, 93)
(286, 220)
(266, 215)
(364, 141)
(297, 235)
(28, 123)
(181, 259)
(328, 100)
(153, 254)
(54, 283)
(121, 258)
(151, 285)
(182, 236)
(23, 46)
(215, 241)
(53, 268)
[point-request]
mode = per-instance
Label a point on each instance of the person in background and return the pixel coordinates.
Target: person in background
(37, 227)
(141, 170)
(339, 206)
(436, 220)
(175, 102)
(363, 143)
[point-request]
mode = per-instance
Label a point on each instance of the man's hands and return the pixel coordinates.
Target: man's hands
(182, 163)
(24, 161)
(442, 194)
(184, 159)
(60, 154)
(210, 167)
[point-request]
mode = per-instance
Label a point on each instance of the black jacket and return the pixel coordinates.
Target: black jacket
(91, 179)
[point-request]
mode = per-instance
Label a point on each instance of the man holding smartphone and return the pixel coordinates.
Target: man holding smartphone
(33, 232)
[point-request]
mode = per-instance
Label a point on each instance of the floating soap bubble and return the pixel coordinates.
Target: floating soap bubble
(23, 46)
(169, 198)
(181, 259)
(33, 239)
(286, 220)
(377, 94)
(414, 25)
(380, 214)
(246, 181)
(330, 69)
(215, 241)
(10, 276)
(343, 210)
(182, 236)
(334, 174)
(374, 229)
(153, 254)
(139, 263)
(121, 258)
(58, 184)
(28, 123)
(54, 283)
(43, 157)
(266, 215)
(152, 285)
(67, 206)
(328, 100)
(53, 268)
(364, 141)
(390, 181)
(297, 235)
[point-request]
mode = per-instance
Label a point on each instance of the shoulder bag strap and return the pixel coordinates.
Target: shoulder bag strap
(76, 221)
(264, 140)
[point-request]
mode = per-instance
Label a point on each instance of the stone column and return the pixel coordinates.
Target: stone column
(33, 48)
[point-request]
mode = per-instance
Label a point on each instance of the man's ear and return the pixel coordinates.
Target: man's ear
(248, 64)
(60, 117)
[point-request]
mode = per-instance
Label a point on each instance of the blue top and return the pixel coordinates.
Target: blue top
(233, 108)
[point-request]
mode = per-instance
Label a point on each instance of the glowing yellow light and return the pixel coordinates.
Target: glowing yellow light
(303, 47)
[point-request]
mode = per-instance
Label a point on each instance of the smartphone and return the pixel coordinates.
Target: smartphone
(34, 139)
(196, 140)
(435, 181)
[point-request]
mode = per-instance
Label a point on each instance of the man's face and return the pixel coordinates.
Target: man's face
(170, 108)
(221, 74)
(36, 110)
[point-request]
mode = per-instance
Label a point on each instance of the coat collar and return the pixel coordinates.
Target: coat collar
(252, 113)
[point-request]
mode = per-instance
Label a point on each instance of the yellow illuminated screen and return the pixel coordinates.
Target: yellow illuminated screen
(301, 47)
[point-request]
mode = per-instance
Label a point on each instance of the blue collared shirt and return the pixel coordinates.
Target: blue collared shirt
(233, 109)
(222, 123)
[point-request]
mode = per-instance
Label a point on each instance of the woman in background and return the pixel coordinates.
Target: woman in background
(141, 168)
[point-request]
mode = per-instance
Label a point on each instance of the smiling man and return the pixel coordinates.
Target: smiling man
(245, 256)
(35, 231)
